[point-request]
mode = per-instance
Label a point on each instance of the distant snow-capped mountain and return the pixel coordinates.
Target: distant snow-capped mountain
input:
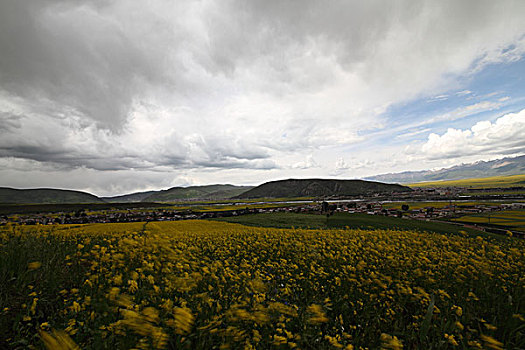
(505, 166)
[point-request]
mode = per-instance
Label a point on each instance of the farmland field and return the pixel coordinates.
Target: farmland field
(209, 284)
(512, 218)
(345, 220)
(486, 182)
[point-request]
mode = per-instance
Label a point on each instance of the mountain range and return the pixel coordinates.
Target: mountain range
(275, 189)
(209, 192)
(499, 167)
(174, 194)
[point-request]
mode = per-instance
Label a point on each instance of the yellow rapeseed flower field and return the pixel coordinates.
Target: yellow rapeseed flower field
(207, 285)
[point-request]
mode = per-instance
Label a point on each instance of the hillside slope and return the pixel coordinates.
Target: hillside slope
(129, 198)
(499, 167)
(45, 196)
(320, 188)
(212, 192)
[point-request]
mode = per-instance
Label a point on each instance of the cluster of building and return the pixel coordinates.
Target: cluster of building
(453, 209)
(83, 217)
(377, 207)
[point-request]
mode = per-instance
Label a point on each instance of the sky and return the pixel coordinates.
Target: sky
(117, 96)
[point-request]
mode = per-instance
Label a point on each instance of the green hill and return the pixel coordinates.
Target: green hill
(212, 192)
(320, 188)
(129, 198)
(45, 196)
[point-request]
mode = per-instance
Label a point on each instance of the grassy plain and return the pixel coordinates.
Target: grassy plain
(486, 182)
(209, 284)
(345, 220)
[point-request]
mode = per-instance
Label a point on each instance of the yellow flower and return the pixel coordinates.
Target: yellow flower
(278, 340)
(113, 292)
(519, 317)
(451, 339)
(183, 320)
(491, 343)
(133, 286)
(458, 310)
(390, 342)
(75, 307)
(317, 314)
(333, 341)
(117, 280)
(490, 327)
(33, 306)
(34, 265)
(58, 340)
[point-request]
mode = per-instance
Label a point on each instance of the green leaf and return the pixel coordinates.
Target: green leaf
(428, 318)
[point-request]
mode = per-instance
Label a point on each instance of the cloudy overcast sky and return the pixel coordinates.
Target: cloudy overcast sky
(118, 96)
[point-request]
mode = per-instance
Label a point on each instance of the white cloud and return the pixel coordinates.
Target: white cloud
(307, 164)
(412, 133)
(342, 166)
(465, 111)
(504, 136)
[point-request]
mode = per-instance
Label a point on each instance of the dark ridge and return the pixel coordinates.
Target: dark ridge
(45, 196)
(320, 188)
(209, 192)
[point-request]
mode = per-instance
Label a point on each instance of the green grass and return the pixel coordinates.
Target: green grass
(486, 182)
(17, 281)
(343, 220)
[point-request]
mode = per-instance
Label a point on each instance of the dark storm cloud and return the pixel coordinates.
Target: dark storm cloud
(71, 54)
(9, 122)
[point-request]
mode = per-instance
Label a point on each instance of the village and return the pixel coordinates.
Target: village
(424, 210)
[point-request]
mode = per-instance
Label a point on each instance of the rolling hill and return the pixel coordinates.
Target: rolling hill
(129, 198)
(211, 192)
(45, 196)
(499, 167)
(320, 188)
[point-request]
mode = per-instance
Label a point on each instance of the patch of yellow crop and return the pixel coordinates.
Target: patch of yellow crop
(206, 284)
(486, 182)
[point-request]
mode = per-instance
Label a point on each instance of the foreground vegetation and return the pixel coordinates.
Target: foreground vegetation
(205, 284)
